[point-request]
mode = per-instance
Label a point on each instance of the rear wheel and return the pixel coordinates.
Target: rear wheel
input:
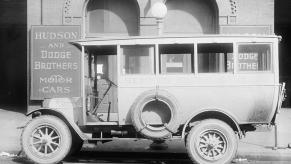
(46, 139)
(212, 141)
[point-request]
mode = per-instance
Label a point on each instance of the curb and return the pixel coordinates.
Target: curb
(269, 155)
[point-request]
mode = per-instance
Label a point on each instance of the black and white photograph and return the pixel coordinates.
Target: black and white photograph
(145, 81)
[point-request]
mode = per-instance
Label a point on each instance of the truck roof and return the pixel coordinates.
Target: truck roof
(167, 38)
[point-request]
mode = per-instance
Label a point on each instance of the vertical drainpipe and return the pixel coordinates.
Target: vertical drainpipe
(160, 26)
(41, 12)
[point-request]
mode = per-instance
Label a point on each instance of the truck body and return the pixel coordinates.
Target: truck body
(207, 90)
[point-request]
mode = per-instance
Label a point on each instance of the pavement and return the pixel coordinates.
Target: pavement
(10, 130)
(258, 145)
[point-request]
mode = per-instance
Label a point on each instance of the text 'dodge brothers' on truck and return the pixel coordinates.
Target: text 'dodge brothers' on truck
(205, 90)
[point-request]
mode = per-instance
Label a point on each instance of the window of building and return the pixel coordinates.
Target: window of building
(215, 57)
(191, 17)
(176, 58)
(112, 17)
(254, 57)
(138, 59)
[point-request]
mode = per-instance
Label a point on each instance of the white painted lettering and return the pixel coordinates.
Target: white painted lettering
(55, 35)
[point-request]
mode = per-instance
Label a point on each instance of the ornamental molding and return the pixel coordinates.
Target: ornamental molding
(67, 7)
(233, 6)
(227, 7)
(73, 9)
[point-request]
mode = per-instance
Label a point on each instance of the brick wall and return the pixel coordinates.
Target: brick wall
(246, 16)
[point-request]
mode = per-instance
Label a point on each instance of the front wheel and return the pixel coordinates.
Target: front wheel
(211, 141)
(46, 140)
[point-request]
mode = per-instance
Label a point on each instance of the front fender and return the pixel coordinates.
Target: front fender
(56, 112)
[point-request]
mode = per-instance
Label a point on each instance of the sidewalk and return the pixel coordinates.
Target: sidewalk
(256, 146)
(260, 144)
(10, 131)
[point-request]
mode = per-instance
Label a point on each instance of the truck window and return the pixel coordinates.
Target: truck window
(254, 57)
(176, 58)
(215, 57)
(137, 59)
(101, 60)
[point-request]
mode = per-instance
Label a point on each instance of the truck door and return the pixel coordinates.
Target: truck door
(102, 91)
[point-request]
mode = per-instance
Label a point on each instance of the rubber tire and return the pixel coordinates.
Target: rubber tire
(59, 126)
(136, 112)
(212, 124)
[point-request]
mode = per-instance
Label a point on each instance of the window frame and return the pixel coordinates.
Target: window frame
(196, 64)
(159, 61)
(152, 60)
(156, 58)
(271, 44)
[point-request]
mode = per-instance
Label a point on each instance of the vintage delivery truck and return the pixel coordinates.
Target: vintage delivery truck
(205, 90)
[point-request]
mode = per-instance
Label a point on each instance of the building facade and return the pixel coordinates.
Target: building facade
(52, 24)
(134, 17)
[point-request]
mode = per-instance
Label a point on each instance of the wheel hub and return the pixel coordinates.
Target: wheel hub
(45, 140)
(212, 145)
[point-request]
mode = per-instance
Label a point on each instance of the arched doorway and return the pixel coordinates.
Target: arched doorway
(191, 17)
(112, 17)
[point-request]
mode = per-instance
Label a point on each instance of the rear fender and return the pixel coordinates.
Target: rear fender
(213, 114)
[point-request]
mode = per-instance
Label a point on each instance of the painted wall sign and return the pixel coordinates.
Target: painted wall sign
(246, 62)
(55, 64)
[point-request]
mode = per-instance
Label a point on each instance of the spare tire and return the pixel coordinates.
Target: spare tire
(154, 114)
